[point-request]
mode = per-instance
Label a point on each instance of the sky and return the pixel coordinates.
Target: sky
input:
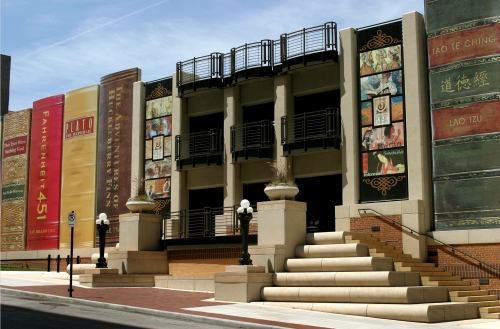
(60, 45)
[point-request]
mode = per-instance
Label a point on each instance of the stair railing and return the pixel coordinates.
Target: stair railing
(427, 235)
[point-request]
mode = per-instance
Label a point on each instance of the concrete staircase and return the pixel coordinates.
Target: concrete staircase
(459, 290)
(354, 273)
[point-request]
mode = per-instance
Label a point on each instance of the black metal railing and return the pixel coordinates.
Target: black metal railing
(205, 222)
(310, 125)
(306, 41)
(427, 235)
(202, 148)
(200, 68)
(255, 136)
(257, 54)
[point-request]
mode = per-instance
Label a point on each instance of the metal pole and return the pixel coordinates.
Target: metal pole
(58, 261)
(245, 221)
(71, 266)
(48, 263)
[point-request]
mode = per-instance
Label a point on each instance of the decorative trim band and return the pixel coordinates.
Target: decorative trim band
(158, 92)
(469, 175)
(466, 139)
(462, 101)
(464, 26)
(380, 40)
(466, 63)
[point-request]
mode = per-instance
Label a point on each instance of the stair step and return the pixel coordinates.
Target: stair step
(440, 278)
(417, 268)
(389, 254)
(346, 279)
(369, 243)
(446, 283)
(410, 260)
(403, 264)
(490, 315)
(463, 288)
(474, 298)
(341, 264)
(331, 250)
(489, 309)
(487, 303)
(392, 250)
(468, 293)
(436, 273)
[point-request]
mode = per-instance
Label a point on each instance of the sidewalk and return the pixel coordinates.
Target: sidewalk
(200, 306)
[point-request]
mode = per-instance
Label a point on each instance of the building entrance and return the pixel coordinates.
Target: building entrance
(204, 206)
(321, 194)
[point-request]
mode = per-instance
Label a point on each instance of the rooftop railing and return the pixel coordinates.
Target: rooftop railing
(310, 40)
(199, 68)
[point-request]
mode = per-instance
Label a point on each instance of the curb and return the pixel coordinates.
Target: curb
(140, 310)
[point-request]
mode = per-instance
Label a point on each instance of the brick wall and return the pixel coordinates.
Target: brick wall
(389, 232)
(209, 253)
(467, 268)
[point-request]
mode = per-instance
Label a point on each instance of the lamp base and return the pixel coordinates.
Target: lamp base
(245, 259)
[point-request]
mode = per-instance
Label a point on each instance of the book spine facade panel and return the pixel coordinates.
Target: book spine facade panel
(44, 192)
(79, 166)
(16, 145)
(464, 78)
(114, 147)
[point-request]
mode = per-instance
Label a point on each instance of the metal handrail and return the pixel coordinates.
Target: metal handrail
(310, 125)
(252, 136)
(200, 68)
(198, 144)
(427, 235)
(310, 40)
(257, 54)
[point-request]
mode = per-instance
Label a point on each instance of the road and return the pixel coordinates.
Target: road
(27, 312)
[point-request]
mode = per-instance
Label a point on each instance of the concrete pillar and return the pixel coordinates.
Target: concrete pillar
(349, 106)
(283, 105)
(180, 126)
(233, 115)
(138, 127)
(417, 135)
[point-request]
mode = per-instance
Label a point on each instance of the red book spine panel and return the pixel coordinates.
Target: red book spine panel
(115, 142)
(44, 192)
(16, 132)
(477, 118)
(466, 44)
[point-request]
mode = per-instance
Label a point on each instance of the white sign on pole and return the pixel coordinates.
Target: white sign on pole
(71, 219)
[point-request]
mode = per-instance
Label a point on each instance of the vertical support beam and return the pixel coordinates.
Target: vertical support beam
(349, 105)
(283, 105)
(138, 127)
(180, 126)
(233, 115)
(417, 135)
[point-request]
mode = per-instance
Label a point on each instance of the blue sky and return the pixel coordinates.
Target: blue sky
(60, 45)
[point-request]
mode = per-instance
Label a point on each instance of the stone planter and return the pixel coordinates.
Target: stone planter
(281, 192)
(140, 206)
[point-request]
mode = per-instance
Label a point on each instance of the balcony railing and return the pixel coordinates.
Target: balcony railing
(199, 149)
(205, 222)
(309, 45)
(252, 140)
(311, 131)
(200, 73)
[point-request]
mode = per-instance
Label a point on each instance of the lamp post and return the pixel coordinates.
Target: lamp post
(245, 216)
(102, 226)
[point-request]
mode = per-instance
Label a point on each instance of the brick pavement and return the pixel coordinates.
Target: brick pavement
(150, 298)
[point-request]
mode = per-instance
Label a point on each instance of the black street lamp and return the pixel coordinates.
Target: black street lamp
(245, 216)
(102, 226)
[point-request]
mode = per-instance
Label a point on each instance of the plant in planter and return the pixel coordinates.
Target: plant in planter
(142, 201)
(282, 187)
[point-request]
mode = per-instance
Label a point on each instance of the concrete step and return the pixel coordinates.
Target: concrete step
(391, 248)
(468, 293)
(342, 264)
(347, 279)
(487, 303)
(416, 268)
(410, 260)
(423, 273)
(193, 282)
(440, 278)
(372, 243)
(463, 288)
(474, 298)
(339, 237)
(489, 309)
(446, 283)
(427, 313)
(490, 315)
(332, 250)
(389, 254)
(393, 295)
(403, 264)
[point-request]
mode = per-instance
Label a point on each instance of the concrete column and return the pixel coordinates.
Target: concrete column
(283, 105)
(349, 105)
(180, 126)
(138, 123)
(417, 135)
(233, 115)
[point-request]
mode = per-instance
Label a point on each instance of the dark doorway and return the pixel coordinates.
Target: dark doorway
(255, 193)
(206, 122)
(258, 112)
(322, 194)
(317, 102)
(204, 205)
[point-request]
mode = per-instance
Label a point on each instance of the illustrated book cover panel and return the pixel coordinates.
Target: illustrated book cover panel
(44, 193)
(15, 164)
(79, 166)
